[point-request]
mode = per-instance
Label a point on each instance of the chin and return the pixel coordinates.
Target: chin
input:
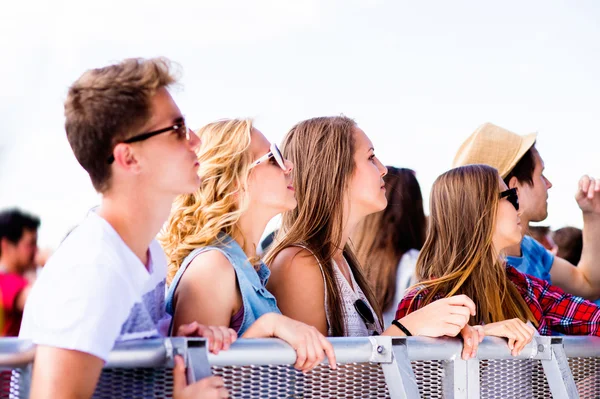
(291, 205)
(191, 189)
(517, 239)
(541, 217)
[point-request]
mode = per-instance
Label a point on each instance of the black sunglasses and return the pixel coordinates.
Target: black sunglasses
(365, 314)
(512, 197)
(180, 128)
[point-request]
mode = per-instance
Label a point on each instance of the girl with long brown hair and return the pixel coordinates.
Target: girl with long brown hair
(388, 242)
(215, 276)
(316, 277)
(473, 218)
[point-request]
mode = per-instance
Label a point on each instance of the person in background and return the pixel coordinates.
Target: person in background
(543, 235)
(316, 277)
(388, 243)
(569, 241)
(18, 248)
(522, 168)
(474, 218)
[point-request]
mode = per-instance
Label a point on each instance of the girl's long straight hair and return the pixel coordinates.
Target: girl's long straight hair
(322, 150)
(458, 256)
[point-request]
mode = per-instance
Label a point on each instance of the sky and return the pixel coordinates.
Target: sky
(418, 77)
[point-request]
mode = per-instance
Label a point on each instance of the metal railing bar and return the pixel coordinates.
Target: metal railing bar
(245, 352)
(581, 346)
(15, 353)
(423, 348)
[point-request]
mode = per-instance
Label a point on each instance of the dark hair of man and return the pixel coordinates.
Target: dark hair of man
(523, 170)
(13, 222)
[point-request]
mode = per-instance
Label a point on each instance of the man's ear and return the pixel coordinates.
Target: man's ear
(514, 183)
(125, 156)
(4, 243)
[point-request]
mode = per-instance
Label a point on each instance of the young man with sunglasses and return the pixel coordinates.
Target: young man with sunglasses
(521, 166)
(106, 282)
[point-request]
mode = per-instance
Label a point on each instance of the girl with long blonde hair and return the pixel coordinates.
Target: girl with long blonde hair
(473, 218)
(210, 240)
(316, 277)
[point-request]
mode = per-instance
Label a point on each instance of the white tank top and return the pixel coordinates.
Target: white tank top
(354, 326)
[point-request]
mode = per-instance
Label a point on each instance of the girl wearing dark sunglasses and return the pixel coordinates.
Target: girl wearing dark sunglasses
(473, 218)
(215, 275)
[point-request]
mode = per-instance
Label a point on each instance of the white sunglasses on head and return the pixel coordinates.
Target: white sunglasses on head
(275, 153)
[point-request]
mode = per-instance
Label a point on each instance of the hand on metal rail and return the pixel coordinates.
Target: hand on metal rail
(446, 316)
(518, 333)
(219, 338)
(207, 388)
(310, 345)
(472, 337)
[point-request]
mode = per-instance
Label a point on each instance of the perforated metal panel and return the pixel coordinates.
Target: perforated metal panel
(586, 373)
(353, 380)
(512, 379)
(135, 383)
(9, 383)
(429, 375)
(498, 379)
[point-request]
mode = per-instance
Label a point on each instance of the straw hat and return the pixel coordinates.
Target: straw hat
(494, 146)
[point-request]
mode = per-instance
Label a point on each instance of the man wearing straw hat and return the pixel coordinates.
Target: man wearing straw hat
(521, 166)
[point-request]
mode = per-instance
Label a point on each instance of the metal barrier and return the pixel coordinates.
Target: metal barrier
(369, 367)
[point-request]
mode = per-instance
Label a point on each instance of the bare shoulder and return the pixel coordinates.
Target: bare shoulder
(297, 283)
(296, 264)
(207, 292)
(295, 260)
(209, 268)
(211, 262)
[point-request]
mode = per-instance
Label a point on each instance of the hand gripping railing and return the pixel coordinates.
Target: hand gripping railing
(369, 367)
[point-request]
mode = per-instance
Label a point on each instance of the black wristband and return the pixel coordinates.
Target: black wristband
(400, 326)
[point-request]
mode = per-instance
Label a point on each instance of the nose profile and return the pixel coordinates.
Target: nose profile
(194, 140)
(384, 169)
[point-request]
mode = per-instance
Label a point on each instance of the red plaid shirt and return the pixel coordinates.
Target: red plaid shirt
(555, 310)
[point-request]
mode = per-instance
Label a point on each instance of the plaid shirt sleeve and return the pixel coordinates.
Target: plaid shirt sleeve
(411, 302)
(555, 310)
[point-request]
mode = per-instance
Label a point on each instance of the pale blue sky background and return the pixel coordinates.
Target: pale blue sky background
(418, 77)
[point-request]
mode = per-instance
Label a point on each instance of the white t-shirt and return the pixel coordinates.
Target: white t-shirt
(94, 292)
(404, 275)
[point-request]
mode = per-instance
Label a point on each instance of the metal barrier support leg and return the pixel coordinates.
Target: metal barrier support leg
(558, 374)
(399, 376)
(198, 366)
(195, 354)
(461, 379)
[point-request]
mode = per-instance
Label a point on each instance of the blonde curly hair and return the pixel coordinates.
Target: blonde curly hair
(198, 218)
